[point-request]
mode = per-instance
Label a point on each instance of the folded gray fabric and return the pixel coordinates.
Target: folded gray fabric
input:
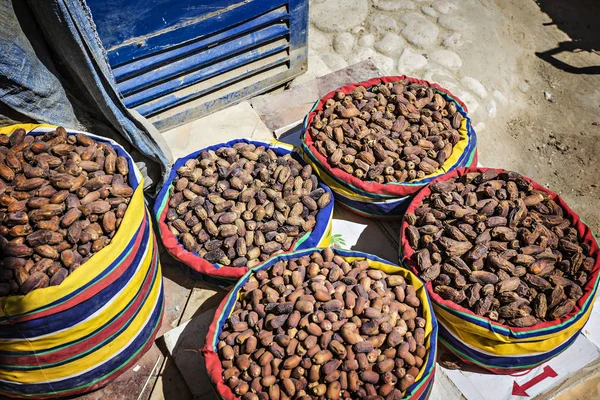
(53, 69)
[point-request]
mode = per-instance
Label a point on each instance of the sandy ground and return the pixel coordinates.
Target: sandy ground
(550, 134)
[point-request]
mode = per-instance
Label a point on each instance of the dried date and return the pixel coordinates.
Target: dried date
(57, 193)
(292, 333)
(393, 132)
(243, 204)
(502, 249)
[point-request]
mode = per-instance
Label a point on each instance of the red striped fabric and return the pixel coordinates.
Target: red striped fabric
(211, 358)
(107, 331)
(113, 375)
(93, 290)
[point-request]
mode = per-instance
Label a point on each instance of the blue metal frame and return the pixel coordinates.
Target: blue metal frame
(160, 49)
(128, 70)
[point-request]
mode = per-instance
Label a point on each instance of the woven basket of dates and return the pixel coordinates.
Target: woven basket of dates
(232, 206)
(378, 142)
(506, 261)
(317, 324)
(62, 199)
(80, 278)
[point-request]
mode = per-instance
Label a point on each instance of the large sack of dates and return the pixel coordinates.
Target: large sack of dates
(234, 205)
(511, 270)
(323, 324)
(376, 143)
(81, 293)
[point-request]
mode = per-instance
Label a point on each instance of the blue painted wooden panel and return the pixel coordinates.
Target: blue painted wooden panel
(155, 92)
(209, 55)
(169, 121)
(123, 20)
(142, 33)
(170, 100)
(147, 63)
(164, 52)
(298, 10)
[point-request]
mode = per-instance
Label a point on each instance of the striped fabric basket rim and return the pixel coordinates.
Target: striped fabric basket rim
(345, 179)
(104, 289)
(101, 335)
(230, 273)
(496, 364)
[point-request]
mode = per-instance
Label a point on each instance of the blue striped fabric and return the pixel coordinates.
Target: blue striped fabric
(96, 374)
(150, 276)
(232, 298)
(73, 316)
(381, 208)
(490, 361)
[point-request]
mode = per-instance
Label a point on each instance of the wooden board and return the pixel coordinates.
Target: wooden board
(183, 344)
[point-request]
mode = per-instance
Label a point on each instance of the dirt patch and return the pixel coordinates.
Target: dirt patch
(552, 132)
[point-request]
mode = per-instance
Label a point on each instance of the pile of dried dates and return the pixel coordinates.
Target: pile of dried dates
(493, 244)
(319, 327)
(395, 132)
(62, 198)
(241, 205)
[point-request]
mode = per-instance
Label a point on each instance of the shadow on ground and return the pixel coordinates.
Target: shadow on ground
(580, 20)
(186, 364)
(175, 270)
(448, 360)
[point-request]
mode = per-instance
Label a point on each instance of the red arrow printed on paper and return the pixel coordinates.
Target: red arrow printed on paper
(521, 390)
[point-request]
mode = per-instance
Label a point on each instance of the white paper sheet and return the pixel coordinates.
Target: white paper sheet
(479, 386)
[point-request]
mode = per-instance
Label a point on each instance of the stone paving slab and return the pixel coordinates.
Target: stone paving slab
(583, 385)
(169, 384)
(317, 68)
(183, 344)
(288, 107)
(239, 121)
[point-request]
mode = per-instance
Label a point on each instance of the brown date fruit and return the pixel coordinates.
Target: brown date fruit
(61, 198)
(253, 204)
(512, 247)
(399, 130)
(362, 349)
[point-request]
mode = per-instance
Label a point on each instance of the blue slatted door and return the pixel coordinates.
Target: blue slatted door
(177, 60)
